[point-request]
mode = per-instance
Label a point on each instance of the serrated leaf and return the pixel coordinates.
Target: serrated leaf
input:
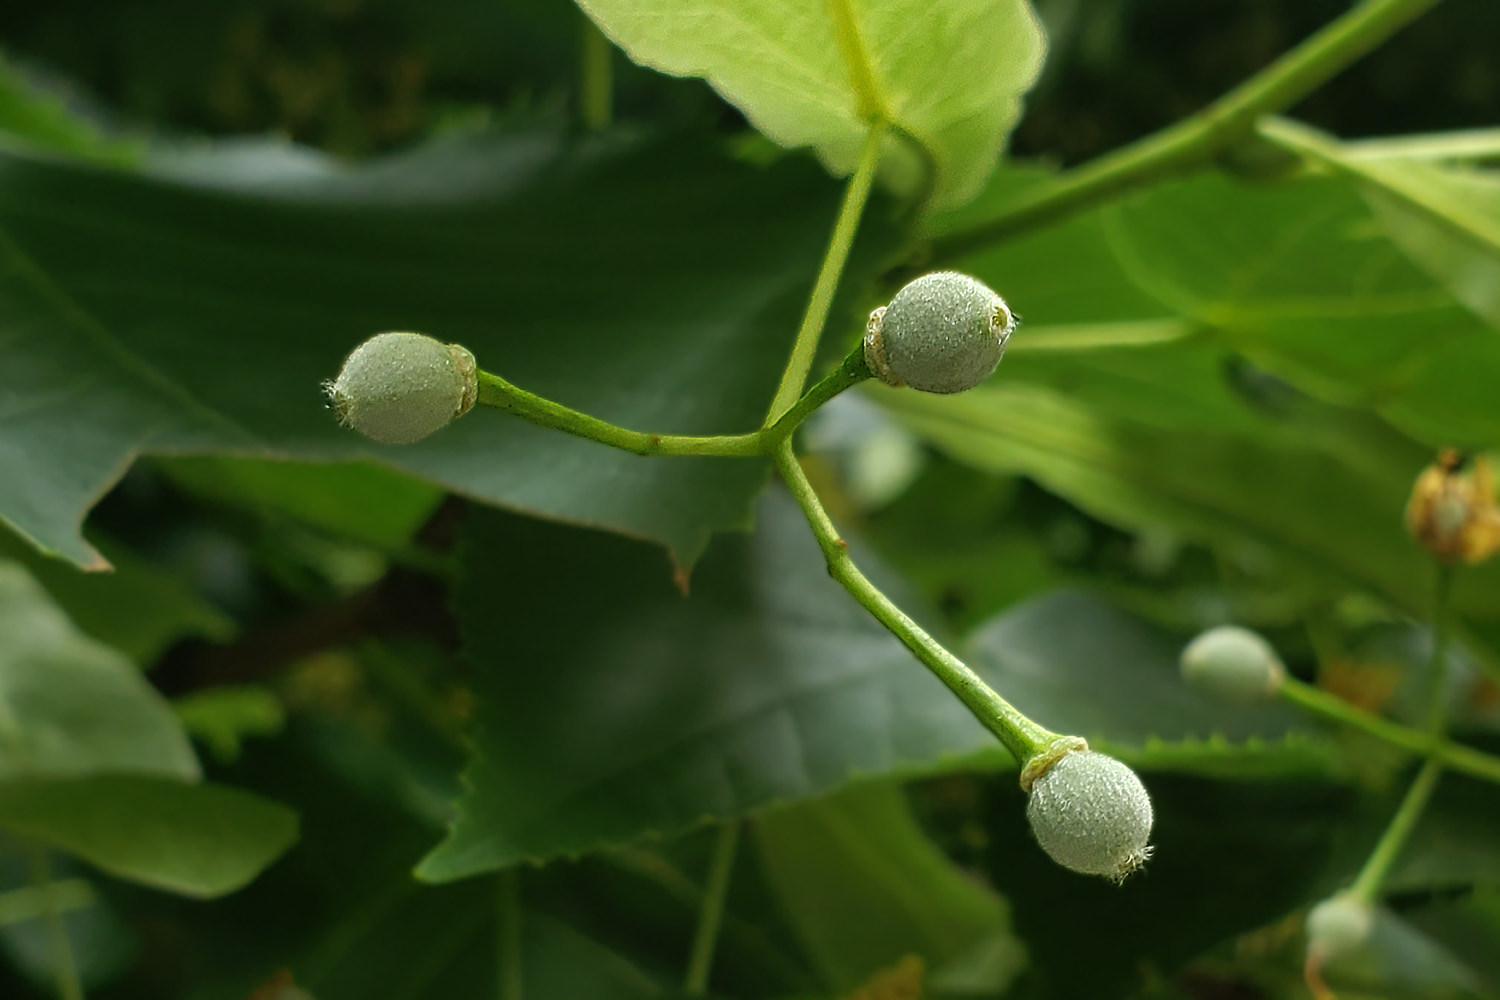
(948, 74)
(612, 707)
(865, 887)
(198, 840)
(196, 307)
(71, 707)
(1080, 666)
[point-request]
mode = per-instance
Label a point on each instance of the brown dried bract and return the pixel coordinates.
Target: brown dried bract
(1452, 511)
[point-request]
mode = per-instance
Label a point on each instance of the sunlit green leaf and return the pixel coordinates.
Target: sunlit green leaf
(949, 74)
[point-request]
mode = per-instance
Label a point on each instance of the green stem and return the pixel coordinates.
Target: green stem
(1372, 876)
(497, 392)
(711, 913)
(1193, 142)
(1454, 756)
(64, 968)
(509, 972)
(805, 348)
(1021, 736)
(597, 85)
(1367, 885)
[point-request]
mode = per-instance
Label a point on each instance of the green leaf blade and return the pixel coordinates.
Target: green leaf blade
(196, 840)
(949, 75)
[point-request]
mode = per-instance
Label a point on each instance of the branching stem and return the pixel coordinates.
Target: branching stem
(1021, 736)
(711, 912)
(805, 347)
(1194, 142)
(497, 392)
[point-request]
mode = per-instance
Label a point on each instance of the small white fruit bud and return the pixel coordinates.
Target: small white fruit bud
(1233, 663)
(943, 332)
(397, 388)
(1338, 925)
(1091, 814)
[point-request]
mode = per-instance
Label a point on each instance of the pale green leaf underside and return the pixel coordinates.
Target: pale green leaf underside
(948, 73)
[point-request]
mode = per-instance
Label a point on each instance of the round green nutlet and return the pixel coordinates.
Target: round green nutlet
(397, 388)
(943, 332)
(1338, 925)
(1091, 814)
(1233, 663)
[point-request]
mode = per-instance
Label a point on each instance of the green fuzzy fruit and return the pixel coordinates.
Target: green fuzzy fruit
(943, 332)
(1091, 814)
(397, 388)
(1338, 925)
(1233, 663)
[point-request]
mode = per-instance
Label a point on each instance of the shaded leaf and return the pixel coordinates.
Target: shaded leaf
(1207, 881)
(197, 307)
(356, 500)
(70, 706)
(611, 707)
(198, 840)
(949, 75)
(865, 887)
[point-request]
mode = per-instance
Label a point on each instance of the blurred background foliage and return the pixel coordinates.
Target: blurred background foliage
(1230, 385)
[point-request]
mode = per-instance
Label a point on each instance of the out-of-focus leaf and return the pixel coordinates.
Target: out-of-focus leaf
(949, 74)
(356, 500)
(1398, 960)
(1332, 502)
(197, 307)
(611, 707)
(198, 840)
(1446, 219)
(865, 887)
(34, 116)
(70, 706)
(223, 717)
(139, 609)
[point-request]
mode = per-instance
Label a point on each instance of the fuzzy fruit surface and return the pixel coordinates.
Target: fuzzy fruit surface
(397, 388)
(1338, 925)
(943, 332)
(1232, 663)
(1091, 814)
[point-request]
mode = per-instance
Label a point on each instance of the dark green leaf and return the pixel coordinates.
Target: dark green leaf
(197, 307)
(865, 887)
(1079, 666)
(611, 706)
